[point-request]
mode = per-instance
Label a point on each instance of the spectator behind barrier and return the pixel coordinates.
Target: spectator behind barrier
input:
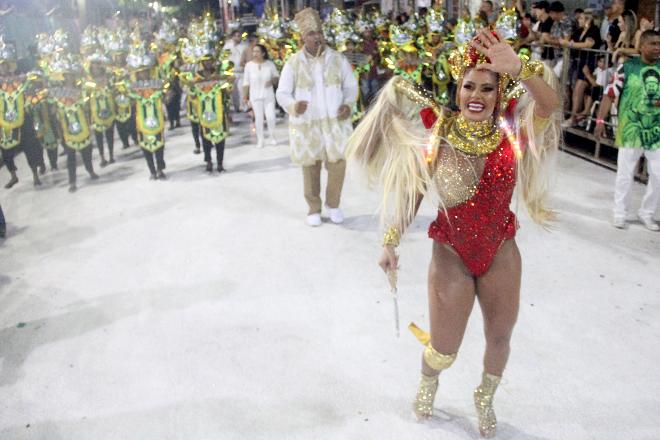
(587, 37)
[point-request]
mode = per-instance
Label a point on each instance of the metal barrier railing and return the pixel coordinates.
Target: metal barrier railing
(572, 61)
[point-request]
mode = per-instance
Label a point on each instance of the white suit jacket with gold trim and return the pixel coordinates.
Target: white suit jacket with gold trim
(325, 82)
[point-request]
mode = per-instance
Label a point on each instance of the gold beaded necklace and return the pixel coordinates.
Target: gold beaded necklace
(476, 138)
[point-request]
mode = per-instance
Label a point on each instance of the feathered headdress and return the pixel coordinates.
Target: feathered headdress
(140, 57)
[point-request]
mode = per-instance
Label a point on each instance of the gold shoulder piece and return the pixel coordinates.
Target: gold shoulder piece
(417, 94)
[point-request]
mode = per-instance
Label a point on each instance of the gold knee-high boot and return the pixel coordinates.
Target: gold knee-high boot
(428, 385)
(483, 401)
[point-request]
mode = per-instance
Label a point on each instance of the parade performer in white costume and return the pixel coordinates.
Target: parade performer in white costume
(318, 89)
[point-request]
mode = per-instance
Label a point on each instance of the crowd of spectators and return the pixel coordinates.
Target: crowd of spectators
(595, 44)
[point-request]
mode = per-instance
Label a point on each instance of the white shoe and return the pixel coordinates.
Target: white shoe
(260, 144)
(619, 222)
(272, 142)
(336, 216)
(649, 223)
(314, 220)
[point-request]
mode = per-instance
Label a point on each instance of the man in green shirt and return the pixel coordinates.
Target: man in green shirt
(637, 85)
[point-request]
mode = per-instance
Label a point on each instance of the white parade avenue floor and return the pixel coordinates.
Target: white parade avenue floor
(203, 307)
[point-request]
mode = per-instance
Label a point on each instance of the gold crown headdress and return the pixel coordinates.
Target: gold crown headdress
(467, 57)
(435, 22)
(308, 20)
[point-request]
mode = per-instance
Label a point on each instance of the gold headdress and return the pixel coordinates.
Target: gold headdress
(466, 57)
(308, 20)
(402, 39)
(507, 24)
(202, 41)
(435, 22)
(140, 57)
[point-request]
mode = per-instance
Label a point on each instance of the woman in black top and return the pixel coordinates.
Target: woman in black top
(587, 36)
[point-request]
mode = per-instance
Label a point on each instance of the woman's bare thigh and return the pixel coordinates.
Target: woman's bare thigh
(451, 298)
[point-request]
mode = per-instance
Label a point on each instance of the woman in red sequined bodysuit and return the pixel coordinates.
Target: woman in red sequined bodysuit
(475, 161)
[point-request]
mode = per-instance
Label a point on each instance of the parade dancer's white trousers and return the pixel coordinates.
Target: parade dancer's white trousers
(237, 92)
(261, 106)
(625, 173)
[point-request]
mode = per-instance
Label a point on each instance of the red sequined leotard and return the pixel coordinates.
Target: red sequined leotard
(477, 227)
(477, 218)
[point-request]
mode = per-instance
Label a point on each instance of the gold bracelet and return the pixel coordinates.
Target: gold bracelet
(529, 69)
(391, 237)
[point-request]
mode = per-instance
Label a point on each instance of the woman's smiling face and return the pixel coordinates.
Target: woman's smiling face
(477, 96)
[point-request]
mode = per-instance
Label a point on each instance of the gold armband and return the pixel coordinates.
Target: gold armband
(529, 69)
(391, 237)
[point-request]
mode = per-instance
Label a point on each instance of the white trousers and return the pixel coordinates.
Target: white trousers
(237, 92)
(261, 106)
(626, 164)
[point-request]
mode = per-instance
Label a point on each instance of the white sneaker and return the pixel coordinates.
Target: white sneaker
(619, 222)
(272, 142)
(314, 220)
(649, 223)
(260, 144)
(336, 216)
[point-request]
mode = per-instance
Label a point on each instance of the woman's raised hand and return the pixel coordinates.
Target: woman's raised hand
(502, 57)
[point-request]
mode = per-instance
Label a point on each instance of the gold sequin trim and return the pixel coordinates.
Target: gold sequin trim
(416, 94)
(423, 404)
(483, 401)
(392, 237)
(530, 69)
(437, 360)
(476, 138)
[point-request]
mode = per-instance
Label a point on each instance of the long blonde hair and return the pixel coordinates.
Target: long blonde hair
(388, 144)
(536, 167)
